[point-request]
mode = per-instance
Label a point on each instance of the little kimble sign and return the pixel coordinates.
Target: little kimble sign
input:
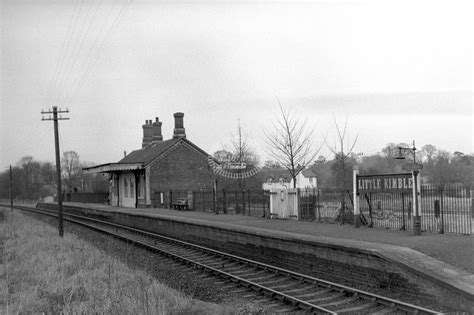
(387, 183)
(402, 182)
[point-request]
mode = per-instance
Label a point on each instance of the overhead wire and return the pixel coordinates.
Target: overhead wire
(92, 48)
(56, 70)
(62, 57)
(67, 71)
(72, 65)
(68, 78)
(86, 74)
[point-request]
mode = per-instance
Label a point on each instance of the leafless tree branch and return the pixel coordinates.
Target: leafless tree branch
(291, 142)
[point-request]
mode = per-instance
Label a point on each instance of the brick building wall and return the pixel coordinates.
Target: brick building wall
(183, 168)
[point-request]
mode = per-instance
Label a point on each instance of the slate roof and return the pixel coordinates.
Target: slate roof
(138, 159)
(151, 152)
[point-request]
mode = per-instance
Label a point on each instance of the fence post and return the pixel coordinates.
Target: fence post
(243, 201)
(263, 203)
(403, 228)
(236, 202)
(171, 199)
(248, 204)
(224, 205)
(203, 201)
(298, 204)
(441, 206)
(214, 200)
(318, 204)
(355, 201)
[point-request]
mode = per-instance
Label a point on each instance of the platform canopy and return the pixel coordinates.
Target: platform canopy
(113, 167)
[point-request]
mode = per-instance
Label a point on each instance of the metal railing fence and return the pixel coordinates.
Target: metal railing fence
(443, 209)
(386, 210)
(447, 208)
(244, 202)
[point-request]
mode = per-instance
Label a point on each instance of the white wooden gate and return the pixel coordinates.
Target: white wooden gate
(284, 203)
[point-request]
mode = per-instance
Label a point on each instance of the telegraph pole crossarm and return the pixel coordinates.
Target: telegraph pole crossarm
(55, 118)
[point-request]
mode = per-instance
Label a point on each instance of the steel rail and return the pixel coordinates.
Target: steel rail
(289, 274)
(243, 282)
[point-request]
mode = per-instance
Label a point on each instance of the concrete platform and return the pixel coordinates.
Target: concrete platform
(445, 260)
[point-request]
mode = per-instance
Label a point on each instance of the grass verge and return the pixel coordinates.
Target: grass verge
(43, 273)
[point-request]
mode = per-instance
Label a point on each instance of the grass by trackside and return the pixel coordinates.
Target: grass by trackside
(41, 272)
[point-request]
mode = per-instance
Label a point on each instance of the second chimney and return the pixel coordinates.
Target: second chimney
(147, 133)
(157, 136)
(179, 131)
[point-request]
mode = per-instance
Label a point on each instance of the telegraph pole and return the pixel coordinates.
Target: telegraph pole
(58, 164)
(11, 189)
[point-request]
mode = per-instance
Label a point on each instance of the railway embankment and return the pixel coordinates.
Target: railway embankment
(44, 273)
(383, 268)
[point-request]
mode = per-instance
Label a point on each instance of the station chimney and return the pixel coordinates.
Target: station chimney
(157, 136)
(179, 131)
(147, 133)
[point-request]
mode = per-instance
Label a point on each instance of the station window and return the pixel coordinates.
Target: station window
(132, 188)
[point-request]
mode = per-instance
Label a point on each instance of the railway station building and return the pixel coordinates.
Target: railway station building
(144, 177)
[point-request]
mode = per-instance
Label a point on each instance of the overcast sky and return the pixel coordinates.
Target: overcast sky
(399, 70)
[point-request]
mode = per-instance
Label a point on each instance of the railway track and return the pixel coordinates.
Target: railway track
(299, 291)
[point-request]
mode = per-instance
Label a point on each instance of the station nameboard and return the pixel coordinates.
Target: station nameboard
(387, 182)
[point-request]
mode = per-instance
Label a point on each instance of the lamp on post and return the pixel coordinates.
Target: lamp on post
(414, 168)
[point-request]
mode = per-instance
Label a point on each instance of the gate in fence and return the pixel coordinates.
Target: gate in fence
(284, 203)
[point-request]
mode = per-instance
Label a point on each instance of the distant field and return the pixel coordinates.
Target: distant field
(42, 273)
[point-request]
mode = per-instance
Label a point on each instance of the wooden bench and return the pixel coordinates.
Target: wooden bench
(181, 204)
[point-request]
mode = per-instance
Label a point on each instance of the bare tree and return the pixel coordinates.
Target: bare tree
(71, 167)
(242, 153)
(342, 154)
(291, 143)
(241, 149)
(30, 176)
